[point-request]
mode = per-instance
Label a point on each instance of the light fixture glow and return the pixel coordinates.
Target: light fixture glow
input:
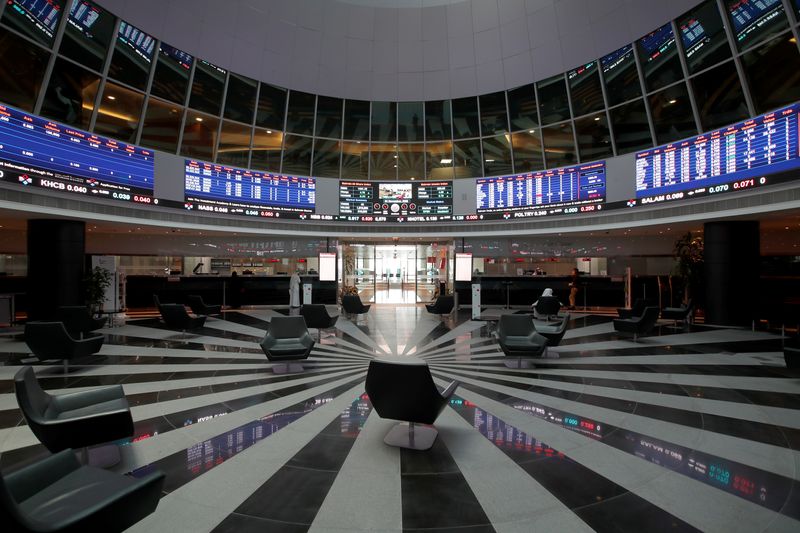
(445, 161)
(110, 97)
(199, 119)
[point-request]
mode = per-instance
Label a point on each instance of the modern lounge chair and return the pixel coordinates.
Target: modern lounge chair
(176, 317)
(547, 307)
(402, 388)
(518, 338)
(791, 352)
(678, 314)
(78, 321)
(199, 307)
(640, 325)
(352, 305)
(316, 316)
(287, 339)
(442, 306)
(554, 332)
(51, 340)
(636, 310)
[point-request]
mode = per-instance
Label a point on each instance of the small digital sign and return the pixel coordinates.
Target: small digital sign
(38, 152)
(656, 43)
(141, 43)
(693, 36)
(615, 59)
(396, 199)
(177, 56)
(559, 191)
(750, 15)
(756, 152)
(83, 15)
(41, 14)
(221, 189)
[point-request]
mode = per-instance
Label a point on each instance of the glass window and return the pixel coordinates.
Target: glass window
(659, 57)
(409, 120)
(527, 147)
(22, 67)
(719, 96)
(172, 74)
(384, 121)
(300, 113)
(35, 18)
(497, 155)
(522, 108)
(703, 37)
(88, 34)
(383, 161)
(329, 118)
(773, 73)
(266, 152)
(631, 130)
(199, 136)
(411, 161)
(439, 160)
(553, 103)
(594, 139)
(797, 6)
(438, 124)
(234, 144)
(467, 159)
(71, 94)
(465, 118)
(271, 107)
(162, 125)
(672, 114)
(559, 146)
(119, 112)
(297, 155)
(326, 158)
(356, 120)
(621, 76)
(132, 57)
(240, 99)
(207, 87)
(355, 160)
(584, 89)
(755, 21)
(494, 118)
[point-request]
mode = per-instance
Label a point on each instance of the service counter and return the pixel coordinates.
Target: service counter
(602, 291)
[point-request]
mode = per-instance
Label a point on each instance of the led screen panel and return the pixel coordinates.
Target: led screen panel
(560, 191)
(141, 43)
(327, 266)
(749, 154)
(236, 191)
(41, 16)
(396, 199)
(463, 267)
(41, 153)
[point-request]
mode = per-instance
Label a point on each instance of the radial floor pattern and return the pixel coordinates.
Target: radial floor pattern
(694, 429)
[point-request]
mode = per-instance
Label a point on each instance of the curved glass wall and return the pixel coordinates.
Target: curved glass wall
(718, 63)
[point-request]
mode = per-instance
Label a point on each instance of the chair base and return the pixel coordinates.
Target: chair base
(287, 368)
(411, 436)
(104, 456)
(518, 363)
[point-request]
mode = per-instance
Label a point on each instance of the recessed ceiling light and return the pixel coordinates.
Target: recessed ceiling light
(672, 101)
(111, 97)
(269, 131)
(199, 119)
(531, 131)
(597, 118)
(445, 161)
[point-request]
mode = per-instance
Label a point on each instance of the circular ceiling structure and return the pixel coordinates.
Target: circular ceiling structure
(398, 50)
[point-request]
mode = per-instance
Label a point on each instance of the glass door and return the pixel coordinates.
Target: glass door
(358, 267)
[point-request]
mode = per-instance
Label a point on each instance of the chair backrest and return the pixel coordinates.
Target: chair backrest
(352, 303)
(48, 339)
(32, 400)
(174, 314)
(548, 305)
(403, 390)
(196, 304)
(10, 514)
(649, 318)
(288, 327)
(315, 315)
(512, 325)
(445, 303)
(156, 300)
(75, 318)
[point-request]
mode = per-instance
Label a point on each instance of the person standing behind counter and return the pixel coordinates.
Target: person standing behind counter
(294, 290)
(573, 288)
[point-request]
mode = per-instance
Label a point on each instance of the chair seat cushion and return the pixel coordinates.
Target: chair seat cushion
(519, 343)
(119, 404)
(288, 347)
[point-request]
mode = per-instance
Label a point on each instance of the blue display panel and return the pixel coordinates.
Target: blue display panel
(614, 59)
(40, 153)
(694, 36)
(750, 15)
(42, 14)
(560, 191)
(236, 191)
(745, 155)
(178, 56)
(396, 199)
(83, 15)
(139, 41)
(658, 42)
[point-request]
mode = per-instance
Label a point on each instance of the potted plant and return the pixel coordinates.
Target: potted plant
(95, 283)
(689, 265)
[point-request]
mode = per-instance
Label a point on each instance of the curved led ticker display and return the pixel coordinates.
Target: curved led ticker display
(424, 201)
(236, 191)
(749, 154)
(560, 191)
(38, 152)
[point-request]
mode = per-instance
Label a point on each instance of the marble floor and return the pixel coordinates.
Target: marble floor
(695, 429)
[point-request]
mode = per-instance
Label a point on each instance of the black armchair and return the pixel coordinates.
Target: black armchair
(78, 321)
(547, 307)
(442, 306)
(50, 340)
(518, 338)
(640, 325)
(316, 316)
(402, 388)
(199, 307)
(57, 494)
(287, 339)
(175, 316)
(637, 309)
(351, 304)
(73, 420)
(554, 333)
(678, 314)
(791, 352)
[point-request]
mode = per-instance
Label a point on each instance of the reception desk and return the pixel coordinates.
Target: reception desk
(602, 291)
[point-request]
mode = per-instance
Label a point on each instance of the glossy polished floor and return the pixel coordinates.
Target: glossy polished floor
(684, 430)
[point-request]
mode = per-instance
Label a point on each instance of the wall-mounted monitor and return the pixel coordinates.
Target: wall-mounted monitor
(236, 191)
(396, 201)
(140, 42)
(463, 267)
(37, 152)
(753, 153)
(560, 191)
(327, 266)
(749, 16)
(36, 18)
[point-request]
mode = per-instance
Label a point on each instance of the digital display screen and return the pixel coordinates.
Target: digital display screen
(141, 43)
(43, 14)
(750, 15)
(327, 266)
(236, 191)
(178, 56)
(658, 42)
(693, 35)
(737, 157)
(463, 267)
(559, 191)
(613, 60)
(396, 199)
(37, 152)
(83, 15)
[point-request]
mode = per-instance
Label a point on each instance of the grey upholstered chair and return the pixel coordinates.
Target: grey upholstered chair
(287, 339)
(554, 332)
(636, 310)
(78, 321)
(199, 307)
(678, 314)
(402, 388)
(352, 304)
(518, 338)
(547, 307)
(316, 316)
(791, 352)
(57, 494)
(176, 317)
(51, 340)
(640, 325)
(74, 419)
(442, 306)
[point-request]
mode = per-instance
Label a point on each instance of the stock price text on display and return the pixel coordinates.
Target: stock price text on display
(560, 191)
(37, 152)
(395, 201)
(236, 191)
(753, 153)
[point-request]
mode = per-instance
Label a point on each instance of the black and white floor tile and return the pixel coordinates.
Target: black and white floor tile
(684, 430)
